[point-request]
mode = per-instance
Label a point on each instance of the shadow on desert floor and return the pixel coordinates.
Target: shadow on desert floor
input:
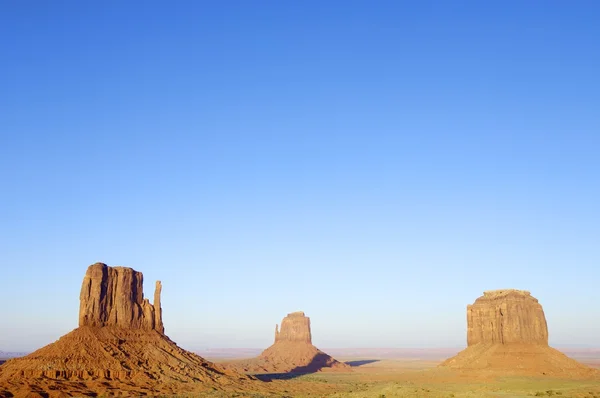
(362, 362)
(277, 376)
(320, 361)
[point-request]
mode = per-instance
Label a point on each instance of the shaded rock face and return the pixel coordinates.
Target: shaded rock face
(295, 327)
(506, 317)
(113, 296)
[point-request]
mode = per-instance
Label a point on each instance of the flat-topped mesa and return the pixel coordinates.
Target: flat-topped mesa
(506, 316)
(295, 327)
(113, 296)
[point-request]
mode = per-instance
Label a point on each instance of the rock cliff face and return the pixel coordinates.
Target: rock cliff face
(113, 296)
(507, 334)
(295, 327)
(505, 317)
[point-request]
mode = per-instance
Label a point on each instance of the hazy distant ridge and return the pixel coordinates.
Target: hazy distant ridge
(7, 355)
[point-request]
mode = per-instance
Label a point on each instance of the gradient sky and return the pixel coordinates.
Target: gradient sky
(377, 165)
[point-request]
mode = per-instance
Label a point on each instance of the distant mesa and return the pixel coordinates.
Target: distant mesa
(11, 354)
(507, 332)
(295, 327)
(119, 347)
(292, 351)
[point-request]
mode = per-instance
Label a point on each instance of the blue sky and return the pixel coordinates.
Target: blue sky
(377, 165)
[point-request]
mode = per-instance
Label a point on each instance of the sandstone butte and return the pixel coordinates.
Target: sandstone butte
(507, 333)
(119, 348)
(291, 352)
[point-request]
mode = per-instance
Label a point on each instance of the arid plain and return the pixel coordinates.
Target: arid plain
(396, 373)
(120, 349)
(416, 373)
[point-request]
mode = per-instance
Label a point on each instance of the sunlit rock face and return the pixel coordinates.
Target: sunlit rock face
(505, 317)
(114, 296)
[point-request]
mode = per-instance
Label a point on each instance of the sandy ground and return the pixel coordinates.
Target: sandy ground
(402, 377)
(405, 377)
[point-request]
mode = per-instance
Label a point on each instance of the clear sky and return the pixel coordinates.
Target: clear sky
(377, 165)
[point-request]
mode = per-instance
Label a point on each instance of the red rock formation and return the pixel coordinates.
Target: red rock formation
(507, 332)
(158, 323)
(118, 347)
(506, 316)
(291, 352)
(294, 327)
(113, 296)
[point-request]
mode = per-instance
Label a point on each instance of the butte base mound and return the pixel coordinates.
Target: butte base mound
(119, 348)
(507, 334)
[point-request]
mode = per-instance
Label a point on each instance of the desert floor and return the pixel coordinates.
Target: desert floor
(402, 377)
(383, 378)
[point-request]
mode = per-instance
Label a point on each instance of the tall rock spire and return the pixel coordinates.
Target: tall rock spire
(158, 323)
